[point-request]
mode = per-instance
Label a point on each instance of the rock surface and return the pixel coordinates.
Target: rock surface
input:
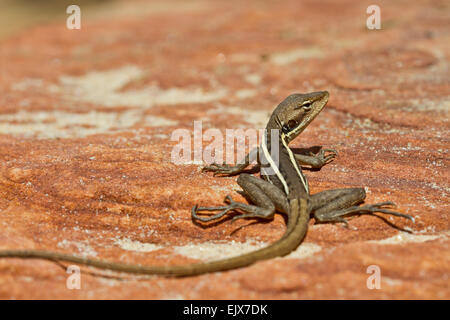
(86, 119)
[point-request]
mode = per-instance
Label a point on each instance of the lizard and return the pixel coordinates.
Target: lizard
(283, 188)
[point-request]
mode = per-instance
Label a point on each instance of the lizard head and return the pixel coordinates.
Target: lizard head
(296, 112)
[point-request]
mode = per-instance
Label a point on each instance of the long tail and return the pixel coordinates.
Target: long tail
(296, 230)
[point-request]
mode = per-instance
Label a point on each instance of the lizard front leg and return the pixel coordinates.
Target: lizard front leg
(231, 170)
(316, 161)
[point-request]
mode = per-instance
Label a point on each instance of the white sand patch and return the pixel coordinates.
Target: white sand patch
(103, 88)
(132, 245)
(304, 250)
(61, 124)
(83, 247)
(423, 105)
(257, 118)
(245, 93)
(392, 282)
(287, 57)
(404, 237)
(253, 78)
(211, 251)
(28, 83)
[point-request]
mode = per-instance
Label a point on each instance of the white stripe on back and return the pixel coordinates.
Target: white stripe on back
(272, 163)
(294, 163)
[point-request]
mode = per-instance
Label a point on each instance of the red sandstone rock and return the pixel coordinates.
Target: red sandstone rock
(85, 124)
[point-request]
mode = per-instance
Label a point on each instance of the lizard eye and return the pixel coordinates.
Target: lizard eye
(307, 106)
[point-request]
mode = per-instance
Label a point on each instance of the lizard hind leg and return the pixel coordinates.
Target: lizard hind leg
(250, 211)
(334, 205)
(266, 198)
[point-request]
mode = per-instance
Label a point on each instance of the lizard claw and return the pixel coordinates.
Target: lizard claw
(231, 205)
(196, 209)
(321, 158)
(334, 151)
(383, 207)
(327, 158)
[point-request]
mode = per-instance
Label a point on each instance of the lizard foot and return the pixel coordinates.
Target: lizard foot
(382, 207)
(322, 158)
(224, 210)
(250, 211)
